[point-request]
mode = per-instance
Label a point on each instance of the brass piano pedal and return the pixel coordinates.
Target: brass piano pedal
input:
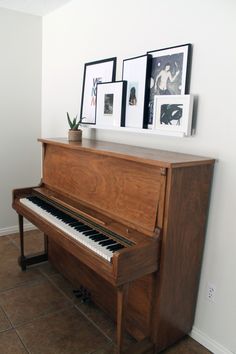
(86, 299)
(79, 292)
(83, 293)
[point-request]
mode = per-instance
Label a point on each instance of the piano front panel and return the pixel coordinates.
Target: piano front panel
(109, 184)
(103, 293)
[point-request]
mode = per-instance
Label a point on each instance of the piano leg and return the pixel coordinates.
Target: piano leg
(122, 298)
(21, 259)
(34, 259)
(46, 243)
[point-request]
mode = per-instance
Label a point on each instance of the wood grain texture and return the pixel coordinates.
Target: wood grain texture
(157, 199)
(108, 184)
(187, 200)
(148, 156)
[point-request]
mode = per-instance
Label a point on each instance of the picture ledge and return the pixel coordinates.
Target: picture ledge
(136, 130)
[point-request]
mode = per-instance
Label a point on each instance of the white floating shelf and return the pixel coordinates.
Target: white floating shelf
(137, 130)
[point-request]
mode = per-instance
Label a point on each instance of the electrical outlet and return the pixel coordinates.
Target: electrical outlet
(211, 292)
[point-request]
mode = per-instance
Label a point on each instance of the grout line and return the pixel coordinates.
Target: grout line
(71, 302)
(13, 242)
(58, 288)
(93, 323)
(22, 342)
(78, 309)
(27, 282)
(22, 324)
(8, 318)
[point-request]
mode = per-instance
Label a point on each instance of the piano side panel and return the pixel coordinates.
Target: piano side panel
(107, 183)
(187, 199)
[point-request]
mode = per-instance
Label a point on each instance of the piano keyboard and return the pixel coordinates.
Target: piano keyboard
(96, 241)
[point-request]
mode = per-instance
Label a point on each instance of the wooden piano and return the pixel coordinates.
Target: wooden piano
(128, 223)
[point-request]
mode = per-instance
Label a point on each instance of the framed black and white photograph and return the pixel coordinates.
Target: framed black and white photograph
(111, 103)
(137, 73)
(108, 103)
(94, 73)
(173, 114)
(170, 73)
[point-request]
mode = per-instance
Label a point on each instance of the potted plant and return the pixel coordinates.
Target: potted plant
(74, 134)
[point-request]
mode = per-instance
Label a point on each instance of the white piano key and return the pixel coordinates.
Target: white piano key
(70, 231)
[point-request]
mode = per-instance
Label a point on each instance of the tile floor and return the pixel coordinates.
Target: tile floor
(40, 315)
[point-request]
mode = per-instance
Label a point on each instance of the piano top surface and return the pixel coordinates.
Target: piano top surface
(162, 158)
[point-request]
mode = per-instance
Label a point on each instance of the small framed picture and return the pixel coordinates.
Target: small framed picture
(94, 73)
(111, 102)
(137, 73)
(170, 73)
(173, 114)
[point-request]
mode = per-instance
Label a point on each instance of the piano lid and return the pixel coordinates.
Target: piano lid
(162, 158)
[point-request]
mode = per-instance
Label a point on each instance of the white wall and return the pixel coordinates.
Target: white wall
(85, 31)
(20, 107)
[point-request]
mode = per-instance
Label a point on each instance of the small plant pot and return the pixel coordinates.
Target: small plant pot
(75, 135)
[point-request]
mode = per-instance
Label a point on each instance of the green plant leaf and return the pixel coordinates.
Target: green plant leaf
(69, 120)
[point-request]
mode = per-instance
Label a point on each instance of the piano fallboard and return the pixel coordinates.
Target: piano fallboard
(132, 260)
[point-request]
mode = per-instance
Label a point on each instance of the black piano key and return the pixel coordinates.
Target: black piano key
(97, 238)
(92, 232)
(115, 247)
(76, 223)
(107, 242)
(94, 235)
(83, 228)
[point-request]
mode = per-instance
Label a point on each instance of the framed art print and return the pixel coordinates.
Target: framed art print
(137, 73)
(94, 73)
(173, 114)
(170, 73)
(111, 103)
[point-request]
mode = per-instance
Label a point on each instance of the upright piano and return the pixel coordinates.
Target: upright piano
(127, 223)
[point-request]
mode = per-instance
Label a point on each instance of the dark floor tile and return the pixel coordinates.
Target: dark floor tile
(46, 269)
(187, 346)
(10, 343)
(64, 285)
(107, 349)
(3, 241)
(30, 301)
(90, 310)
(7, 249)
(99, 317)
(33, 241)
(4, 323)
(102, 320)
(65, 332)
(11, 274)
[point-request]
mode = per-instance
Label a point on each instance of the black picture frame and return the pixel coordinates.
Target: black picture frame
(111, 104)
(136, 71)
(94, 72)
(175, 64)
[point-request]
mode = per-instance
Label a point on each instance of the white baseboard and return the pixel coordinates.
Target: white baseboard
(14, 229)
(208, 342)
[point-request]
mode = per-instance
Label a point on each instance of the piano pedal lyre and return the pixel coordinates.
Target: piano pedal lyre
(83, 293)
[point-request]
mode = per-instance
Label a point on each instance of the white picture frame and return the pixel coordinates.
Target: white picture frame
(173, 114)
(110, 107)
(136, 71)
